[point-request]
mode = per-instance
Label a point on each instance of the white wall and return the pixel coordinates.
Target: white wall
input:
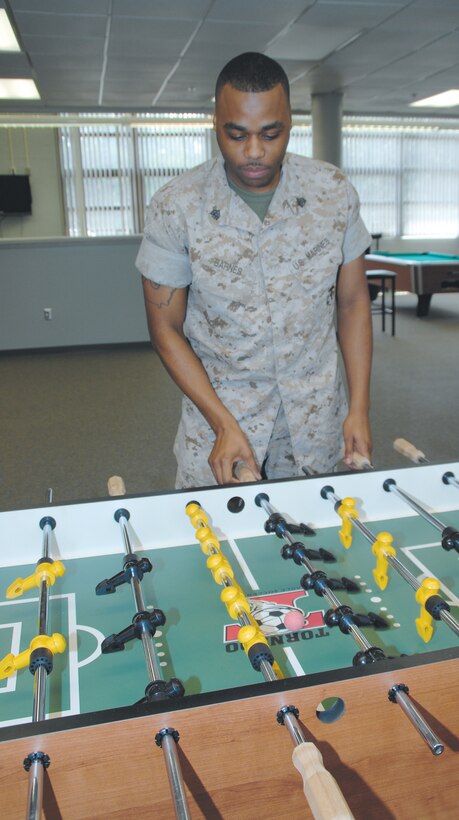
(397, 244)
(91, 285)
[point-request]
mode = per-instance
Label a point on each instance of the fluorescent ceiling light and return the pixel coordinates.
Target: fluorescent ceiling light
(18, 90)
(447, 99)
(8, 40)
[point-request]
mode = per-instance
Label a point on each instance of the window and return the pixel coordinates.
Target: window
(372, 161)
(407, 177)
(110, 172)
(165, 152)
(301, 140)
(430, 183)
(406, 174)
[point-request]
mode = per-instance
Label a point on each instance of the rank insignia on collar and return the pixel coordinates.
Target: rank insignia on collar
(300, 201)
(215, 213)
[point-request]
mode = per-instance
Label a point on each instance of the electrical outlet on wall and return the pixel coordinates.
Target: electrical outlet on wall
(48, 314)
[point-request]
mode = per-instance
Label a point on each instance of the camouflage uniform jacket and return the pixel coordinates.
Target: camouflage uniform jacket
(261, 302)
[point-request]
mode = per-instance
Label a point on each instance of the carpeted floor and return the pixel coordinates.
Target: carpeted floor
(70, 419)
(415, 384)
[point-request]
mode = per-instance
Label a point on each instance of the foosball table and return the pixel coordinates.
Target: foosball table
(308, 623)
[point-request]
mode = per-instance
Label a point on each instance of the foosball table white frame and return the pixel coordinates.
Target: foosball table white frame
(235, 758)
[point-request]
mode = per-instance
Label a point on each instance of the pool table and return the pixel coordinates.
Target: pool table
(420, 273)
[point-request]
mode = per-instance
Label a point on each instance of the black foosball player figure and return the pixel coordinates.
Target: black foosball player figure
(143, 627)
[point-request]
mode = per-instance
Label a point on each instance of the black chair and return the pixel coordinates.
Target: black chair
(376, 237)
(378, 282)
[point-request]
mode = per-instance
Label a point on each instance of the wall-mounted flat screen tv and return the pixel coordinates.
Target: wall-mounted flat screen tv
(15, 195)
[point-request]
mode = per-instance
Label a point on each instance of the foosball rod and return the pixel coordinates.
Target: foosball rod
(399, 693)
(450, 478)
(401, 445)
(40, 676)
(38, 657)
(223, 575)
(359, 462)
(450, 536)
(320, 787)
(245, 475)
(154, 673)
(116, 487)
(35, 786)
(38, 761)
(167, 738)
(321, 790)
(329, 493)
(262, 501)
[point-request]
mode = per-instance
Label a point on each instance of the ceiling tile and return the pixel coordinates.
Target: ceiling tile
(180, 46)
(165, 9)
(256, 11)
(61, 25)
(310, 42)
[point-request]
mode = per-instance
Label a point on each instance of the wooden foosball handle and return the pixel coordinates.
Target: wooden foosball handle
(402, 446)
(115, 485)
(361, 462)
(322, 792)
(242, 472)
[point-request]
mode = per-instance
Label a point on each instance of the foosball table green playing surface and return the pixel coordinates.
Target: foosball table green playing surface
(101, 714)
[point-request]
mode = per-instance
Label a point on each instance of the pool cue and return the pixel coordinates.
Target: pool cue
(167, 738)
(319, 584)
(320, 788)
(450, 536)
(405, 448)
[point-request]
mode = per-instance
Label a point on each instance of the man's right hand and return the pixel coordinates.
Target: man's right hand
(166, 310)
(231, 446)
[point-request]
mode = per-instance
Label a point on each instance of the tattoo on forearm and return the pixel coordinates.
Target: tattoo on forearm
(152, 295)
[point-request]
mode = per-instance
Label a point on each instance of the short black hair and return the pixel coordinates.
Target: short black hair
(252, 72)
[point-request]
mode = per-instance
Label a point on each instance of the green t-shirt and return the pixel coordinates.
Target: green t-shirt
(259, 202)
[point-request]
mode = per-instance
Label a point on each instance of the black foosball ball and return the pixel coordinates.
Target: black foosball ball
(286, 648)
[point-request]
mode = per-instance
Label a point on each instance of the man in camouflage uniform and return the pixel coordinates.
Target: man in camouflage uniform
(240, 262)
